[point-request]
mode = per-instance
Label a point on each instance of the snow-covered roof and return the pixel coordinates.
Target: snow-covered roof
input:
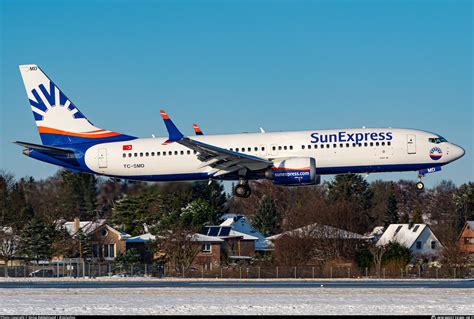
(239, 223)
(205, 238)
(142, 238)
(470, 223)
(89, 227)
(402, 234)
(244, 236)
(319, 231)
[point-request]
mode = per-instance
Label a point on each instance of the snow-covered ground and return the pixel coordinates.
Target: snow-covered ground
(232, 301)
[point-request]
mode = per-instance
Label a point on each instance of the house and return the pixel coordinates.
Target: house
(106, 242)
(235, 245)
(419, 238)
(207, 257)
(315, 244)
(375, 234)
(239, 223)
(466, 238)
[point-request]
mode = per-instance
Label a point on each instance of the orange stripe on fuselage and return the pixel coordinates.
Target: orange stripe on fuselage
(48, 130)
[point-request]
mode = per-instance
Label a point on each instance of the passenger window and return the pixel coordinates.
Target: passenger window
(164, 153)
(335, 145)
(129, 154)
(135, 154)
(182, 152)
(353, 144)
(376, 143)
(152, 153)
(322, 145)
(347, 144)
(236, 149)
(157, 153)
(124, 155)
(389, 143)
(195, 152)
(365, 144)
(341, 145)
(249, 149)
(284, 147)
(146, 154)
(291, 147)
(263, 149)
(279, 148)
(231, 149)
(302, 147)
(189, 152)
(256, 149)
(315, 146)
(360, 144)
(141, 154)
(170, 153)
(175, 152)
(383, 143)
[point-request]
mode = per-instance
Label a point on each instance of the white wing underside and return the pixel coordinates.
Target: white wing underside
(221, 161)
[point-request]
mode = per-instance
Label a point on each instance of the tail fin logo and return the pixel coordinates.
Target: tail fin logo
(47, 99)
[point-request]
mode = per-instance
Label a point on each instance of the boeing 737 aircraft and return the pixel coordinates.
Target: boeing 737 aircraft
(70, 140)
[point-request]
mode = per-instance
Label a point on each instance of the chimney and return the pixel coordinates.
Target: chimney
(410, 225)
(76, 225)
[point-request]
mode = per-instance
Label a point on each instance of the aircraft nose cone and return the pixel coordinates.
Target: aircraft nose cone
(458, 151)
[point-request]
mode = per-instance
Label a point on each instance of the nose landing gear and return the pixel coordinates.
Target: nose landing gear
(420, 186)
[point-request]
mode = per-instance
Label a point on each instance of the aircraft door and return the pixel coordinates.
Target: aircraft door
(411, 144)
(102, 157)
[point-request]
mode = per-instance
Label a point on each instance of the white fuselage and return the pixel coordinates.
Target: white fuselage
(335, 151)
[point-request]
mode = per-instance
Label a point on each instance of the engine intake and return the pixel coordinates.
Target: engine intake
(294, 171)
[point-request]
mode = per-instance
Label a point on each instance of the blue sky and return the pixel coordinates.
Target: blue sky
(233, 66)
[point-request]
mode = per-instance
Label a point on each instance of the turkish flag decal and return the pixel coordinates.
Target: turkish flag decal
(127, 147)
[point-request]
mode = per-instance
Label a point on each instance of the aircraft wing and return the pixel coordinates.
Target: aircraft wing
(221, 160)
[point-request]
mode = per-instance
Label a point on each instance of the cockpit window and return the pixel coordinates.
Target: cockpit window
(437, 140)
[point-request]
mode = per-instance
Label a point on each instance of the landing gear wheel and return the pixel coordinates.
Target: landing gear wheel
(420, 186)
(242, 190)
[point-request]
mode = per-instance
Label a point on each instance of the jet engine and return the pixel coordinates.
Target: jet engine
(293, 171)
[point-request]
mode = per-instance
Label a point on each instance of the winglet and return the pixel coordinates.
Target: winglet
(197, 130)
(173, 132)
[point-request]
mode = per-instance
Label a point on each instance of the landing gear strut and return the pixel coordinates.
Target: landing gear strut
(243, 189)
(420, 186)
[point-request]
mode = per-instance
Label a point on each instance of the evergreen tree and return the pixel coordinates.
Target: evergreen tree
(214, 194)
(85, 249)
(267, 218)
(392, 210)
(37, 239)
(417, 215)
(196, 214)
(80, 191)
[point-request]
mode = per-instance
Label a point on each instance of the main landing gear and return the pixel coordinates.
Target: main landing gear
(242, 189)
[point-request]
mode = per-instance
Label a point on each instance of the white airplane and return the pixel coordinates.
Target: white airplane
(287, 158)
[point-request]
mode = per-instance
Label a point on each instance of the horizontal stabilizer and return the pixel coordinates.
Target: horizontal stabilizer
(48, 150)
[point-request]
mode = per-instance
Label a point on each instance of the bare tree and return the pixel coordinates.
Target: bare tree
(181, 247)
(9, 244)
(377, 253)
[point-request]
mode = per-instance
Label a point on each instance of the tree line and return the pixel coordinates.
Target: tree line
(32, 208)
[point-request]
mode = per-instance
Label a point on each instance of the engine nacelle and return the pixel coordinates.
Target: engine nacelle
(294, 171)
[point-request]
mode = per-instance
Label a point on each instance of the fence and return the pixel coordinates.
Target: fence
(92, 270)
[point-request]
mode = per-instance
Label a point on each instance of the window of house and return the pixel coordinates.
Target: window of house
(103, 232)
(433, 244)
(206, 248)
(416, 228)
(398, 229)
(109, 250)
(95, 250)
(418, 245)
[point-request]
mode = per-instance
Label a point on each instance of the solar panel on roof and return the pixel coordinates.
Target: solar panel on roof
(224, 231)
(213, 231)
